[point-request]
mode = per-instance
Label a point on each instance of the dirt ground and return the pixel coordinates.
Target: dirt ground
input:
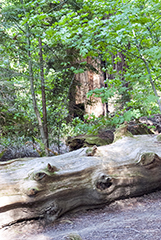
(130, 219)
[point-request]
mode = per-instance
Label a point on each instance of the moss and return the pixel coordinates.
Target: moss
(159, 138)
(119, 136)
(122, 132)
(95, 140)
(147, 158)
(73, 236)
(91, 151)
(3, 151)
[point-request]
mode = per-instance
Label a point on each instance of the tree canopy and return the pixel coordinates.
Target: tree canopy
(42, 47)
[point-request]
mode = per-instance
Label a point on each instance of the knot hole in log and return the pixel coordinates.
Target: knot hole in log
(104, 182)
(52, 168)
(39, 176)
(32, 192)
(150, 160)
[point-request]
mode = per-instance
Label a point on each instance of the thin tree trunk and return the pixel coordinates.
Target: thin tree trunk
(33, 95)
(40, 124)
(43, 92)
(103, 65)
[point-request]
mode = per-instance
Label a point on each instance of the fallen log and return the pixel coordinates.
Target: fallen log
(86, 178)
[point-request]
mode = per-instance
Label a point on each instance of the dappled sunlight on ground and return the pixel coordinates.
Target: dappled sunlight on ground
(129, 219)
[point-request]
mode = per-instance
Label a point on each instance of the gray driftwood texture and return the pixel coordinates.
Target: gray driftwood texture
(86, 178)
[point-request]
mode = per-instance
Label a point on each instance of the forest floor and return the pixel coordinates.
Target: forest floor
(130, 219)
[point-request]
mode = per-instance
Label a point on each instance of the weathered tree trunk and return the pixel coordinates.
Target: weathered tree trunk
(85, 178)
(89, 80)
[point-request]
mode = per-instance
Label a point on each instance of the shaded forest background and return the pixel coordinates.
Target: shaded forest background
(71, 67)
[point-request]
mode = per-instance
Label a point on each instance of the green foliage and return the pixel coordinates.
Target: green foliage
(42, 149)
(90, 125)
(2, 152)
(117, 32)
(131, 28)
(59, 67)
